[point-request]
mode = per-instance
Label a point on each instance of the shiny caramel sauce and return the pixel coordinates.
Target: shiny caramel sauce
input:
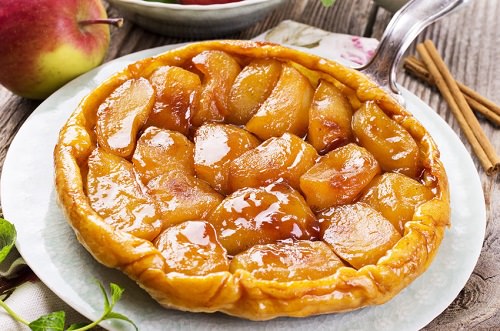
(262, 215)
(175, 89)
(261, 165)
(395, 196)
(219, 71)
(339, 177)
(299, 260)
(122, 114)
(159, 151)
(286, 157)
(330, 117)
(393, 147)
(116, 195)
(357, 233)
(251, 88)
(216, 146)
(182, 197)
(192, 248)
(286, 109)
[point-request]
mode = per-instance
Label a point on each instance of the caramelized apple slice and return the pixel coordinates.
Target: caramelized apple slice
(338, 177)
(286, 157)
(396, 196)
(329, 118)
(216, 145)
(220, 70)
(284, 261)
(174, 88)
(123, 114)
(251, 88)
(286, 109)
(181, 197)
(357, 233)
(118, 198)
(262, 215)
(159, 151)
(393, 147)
(192, 248)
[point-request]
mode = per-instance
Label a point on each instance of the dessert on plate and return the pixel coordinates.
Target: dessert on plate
(252, 179)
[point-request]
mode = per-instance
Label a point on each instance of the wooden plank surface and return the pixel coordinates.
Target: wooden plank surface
(468, 40)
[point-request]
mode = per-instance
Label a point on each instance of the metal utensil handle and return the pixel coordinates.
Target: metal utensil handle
(403, 28)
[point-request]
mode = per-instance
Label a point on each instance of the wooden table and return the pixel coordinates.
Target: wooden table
(467, 39)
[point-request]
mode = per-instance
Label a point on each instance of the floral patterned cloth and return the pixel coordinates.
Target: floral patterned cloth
(341, 47)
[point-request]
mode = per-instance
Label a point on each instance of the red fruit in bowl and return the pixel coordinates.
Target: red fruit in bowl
(205, 2)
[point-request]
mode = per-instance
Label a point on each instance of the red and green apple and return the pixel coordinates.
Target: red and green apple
(46, 43)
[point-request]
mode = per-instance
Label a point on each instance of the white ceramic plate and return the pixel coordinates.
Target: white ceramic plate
(195, 21)
(49, 246)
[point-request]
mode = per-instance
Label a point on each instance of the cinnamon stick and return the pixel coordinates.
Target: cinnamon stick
(469, 124)
(418, 69)
(480, 108)
(477, 102)
(478, 97)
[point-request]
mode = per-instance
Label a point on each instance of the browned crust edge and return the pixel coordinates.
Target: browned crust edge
(241, 294)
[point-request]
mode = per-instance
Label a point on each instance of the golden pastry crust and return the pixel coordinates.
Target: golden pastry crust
(241, 293)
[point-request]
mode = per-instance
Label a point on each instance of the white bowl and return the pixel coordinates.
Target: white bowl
(195, 21)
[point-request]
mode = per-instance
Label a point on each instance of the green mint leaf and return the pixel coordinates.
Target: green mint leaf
(116, 293)
(118, 316)
(7, 238)
(50, 322)
(76, 326)
(55, 321)
(328, 3)
(105, 295)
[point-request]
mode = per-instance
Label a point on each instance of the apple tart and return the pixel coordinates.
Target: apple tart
(252, 179)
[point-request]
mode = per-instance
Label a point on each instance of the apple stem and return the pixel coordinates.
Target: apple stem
(118, 22)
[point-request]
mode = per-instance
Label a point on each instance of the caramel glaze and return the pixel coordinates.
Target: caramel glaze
(263, 215)
(240, 292)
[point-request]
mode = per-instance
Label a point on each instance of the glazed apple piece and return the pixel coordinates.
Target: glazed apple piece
(286, 109)
(286, 157)
(220, 70)
(123, 114)
(175, 87)
(216, 145)
(159, 151)
(357, 233)
(181, 197)
(192, 248)
(396, 196)
(329, 118)
(393, 147)
(118, 198)
(251, 88)
(285, 261)
(338, 177)
(263, 215)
